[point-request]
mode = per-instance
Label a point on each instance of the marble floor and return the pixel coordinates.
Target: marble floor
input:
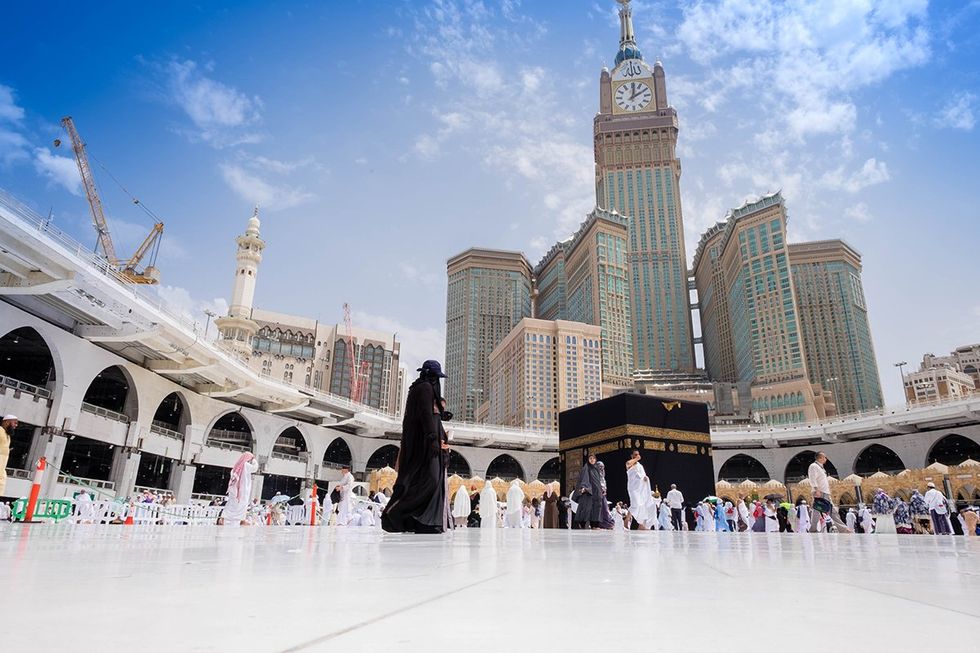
(144, 589)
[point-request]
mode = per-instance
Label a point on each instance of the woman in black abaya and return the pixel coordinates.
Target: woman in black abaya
(418, 501)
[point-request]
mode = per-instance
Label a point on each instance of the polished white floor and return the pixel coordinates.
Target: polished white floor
(143, 589)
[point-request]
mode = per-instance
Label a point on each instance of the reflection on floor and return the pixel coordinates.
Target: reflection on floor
(109, 588)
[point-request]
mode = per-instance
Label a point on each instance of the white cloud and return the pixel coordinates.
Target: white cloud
(58, 170)
(521, 126)
(803, 60)
(957, 113)
(859, 213)
(871, 173)
(9, 110)
(179, 301)
(13, 146)
(427, 146)
(257, 190)
(222, 115)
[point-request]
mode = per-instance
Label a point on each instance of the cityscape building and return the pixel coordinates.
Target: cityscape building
(541, 368)
(637, 174)
(764, 337)
(302, 351)
(586, 279)
(833, 322)
(937, 383)
(964, 359)
(488, 293)
(944, 377)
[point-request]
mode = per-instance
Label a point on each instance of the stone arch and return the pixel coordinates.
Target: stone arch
(953, 449)
(290, 442)
(797, 466)
(26, 356)
(458, 464)
(506, 467)
(847, 499)
(173, 413)
(550, 471)
(877, 458)
(231, 430)
(114, 389)
(338, 454)
(384, 456)
(741, 467)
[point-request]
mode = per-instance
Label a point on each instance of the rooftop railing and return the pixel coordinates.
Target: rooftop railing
(162, 428)
(105, 412)
(9, 382)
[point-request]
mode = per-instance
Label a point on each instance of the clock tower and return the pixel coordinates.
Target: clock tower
(638, 175)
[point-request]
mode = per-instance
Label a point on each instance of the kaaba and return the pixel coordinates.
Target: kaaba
(672, 437)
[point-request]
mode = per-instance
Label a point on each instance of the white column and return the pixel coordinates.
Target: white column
(125, 466)
(182, 482)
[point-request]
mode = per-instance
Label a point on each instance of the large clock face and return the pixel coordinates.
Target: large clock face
(633, 96)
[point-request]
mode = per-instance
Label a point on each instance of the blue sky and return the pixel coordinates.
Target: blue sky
(381, 138)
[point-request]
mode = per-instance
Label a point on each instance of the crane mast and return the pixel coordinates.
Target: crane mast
(358, 370)
(88, 182)
(127, 268)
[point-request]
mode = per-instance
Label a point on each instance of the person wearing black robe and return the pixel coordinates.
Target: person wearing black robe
(588, 496)
(418, 501)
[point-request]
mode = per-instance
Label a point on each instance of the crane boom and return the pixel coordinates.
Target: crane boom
(141, 251)
(88, 181)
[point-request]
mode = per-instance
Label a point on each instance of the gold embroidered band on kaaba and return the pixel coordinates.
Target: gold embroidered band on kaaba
(634, 430)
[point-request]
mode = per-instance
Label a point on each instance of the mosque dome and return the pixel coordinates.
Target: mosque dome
(253, 223)
(628, 51)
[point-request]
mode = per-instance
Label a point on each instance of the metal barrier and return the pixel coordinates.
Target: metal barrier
(56, 509)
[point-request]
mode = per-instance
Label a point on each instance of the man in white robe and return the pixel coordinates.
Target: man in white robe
(239, 496)
(346, 487)
(867, 521)
(515, 505)
(744, 515)
(488, 506)
(666, 523)
(461, 506)
(803, 518)
(851, 519)
(642, 507)
(84, 510)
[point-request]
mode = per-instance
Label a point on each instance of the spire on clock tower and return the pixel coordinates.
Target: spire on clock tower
(627, 41)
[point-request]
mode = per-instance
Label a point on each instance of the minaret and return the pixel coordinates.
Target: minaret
(237, 328)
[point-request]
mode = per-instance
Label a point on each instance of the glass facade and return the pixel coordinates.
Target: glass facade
(488, 294)
(834, 324)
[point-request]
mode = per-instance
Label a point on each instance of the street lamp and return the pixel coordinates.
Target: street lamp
(207, 324)
(901, 370)
(834, 392)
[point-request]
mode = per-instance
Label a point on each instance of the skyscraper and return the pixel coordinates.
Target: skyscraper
(638, 175)
(489, 292)
(716, 329)
(742, 269)
(540, 369)
(586, 279)
(834, 323)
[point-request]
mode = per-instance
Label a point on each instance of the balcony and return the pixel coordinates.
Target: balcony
(163, 429)
(105, 412)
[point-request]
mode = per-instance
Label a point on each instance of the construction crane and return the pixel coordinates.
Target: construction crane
(128, 268)
(359, 370)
